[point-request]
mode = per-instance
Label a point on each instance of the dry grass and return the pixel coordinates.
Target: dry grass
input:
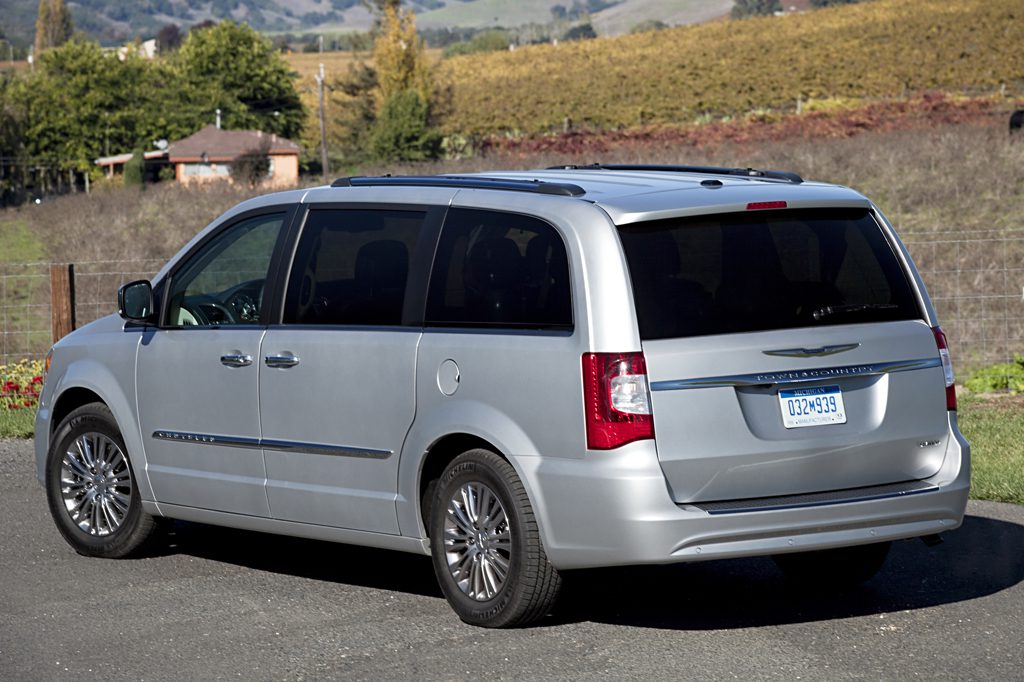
(937, 185)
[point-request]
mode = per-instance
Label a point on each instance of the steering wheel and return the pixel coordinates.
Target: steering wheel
(243, 306)
(194, 306)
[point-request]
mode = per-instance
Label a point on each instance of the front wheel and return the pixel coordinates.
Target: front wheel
(835, 569)
(486, 546)
(91, 488)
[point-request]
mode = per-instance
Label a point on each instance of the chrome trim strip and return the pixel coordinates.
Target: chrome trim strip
(869, 494)
(280, 445)
(207, 439)
(320, 449)
(812, 352)
(796, 376)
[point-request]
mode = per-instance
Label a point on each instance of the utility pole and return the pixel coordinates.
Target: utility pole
(323, 125)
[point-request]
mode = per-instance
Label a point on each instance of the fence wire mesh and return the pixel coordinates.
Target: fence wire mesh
(976, 283)
(977, 286)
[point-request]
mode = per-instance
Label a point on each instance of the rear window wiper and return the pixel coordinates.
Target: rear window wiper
(830, 310)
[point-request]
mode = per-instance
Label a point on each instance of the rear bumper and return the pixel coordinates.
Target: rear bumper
(614, 508)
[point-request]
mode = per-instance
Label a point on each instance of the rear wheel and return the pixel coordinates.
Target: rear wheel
(91, 488)
(486, 546)
(840, 568)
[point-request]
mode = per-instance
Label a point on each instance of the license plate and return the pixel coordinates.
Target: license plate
(812, 407)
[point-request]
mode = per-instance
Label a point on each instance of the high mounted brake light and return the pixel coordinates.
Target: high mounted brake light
(762, 205)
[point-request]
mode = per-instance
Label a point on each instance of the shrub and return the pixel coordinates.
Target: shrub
(252, 166)
(648, 26)
(749, 8)
(487, 41)
(135, 170)
(402, 130)
(1007, 376)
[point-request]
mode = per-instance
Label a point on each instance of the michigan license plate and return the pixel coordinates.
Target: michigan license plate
(812, 407)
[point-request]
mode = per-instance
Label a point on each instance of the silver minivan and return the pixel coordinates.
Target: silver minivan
(520, 374)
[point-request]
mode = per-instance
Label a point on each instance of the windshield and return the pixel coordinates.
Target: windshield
(755, 271)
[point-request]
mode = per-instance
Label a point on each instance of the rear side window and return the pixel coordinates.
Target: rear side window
(500, 270)
(755, 271)
(351, 267)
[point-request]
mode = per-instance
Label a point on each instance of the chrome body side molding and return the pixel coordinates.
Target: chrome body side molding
(796, 376)
(281, 445)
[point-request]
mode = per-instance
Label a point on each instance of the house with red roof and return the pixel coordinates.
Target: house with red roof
(207, 155)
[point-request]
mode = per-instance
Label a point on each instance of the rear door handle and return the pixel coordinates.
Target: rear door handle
(283, 361)
(236, 360)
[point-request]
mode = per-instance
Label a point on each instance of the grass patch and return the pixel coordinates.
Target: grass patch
(994, 424)
(17, 423)
(20, 243)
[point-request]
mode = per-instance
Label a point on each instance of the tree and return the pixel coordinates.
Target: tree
(749, 8)
(53, 25)
(378, 8)
(405, 93)
(168, 38)
(12, 133)
(358, 109)
(399, 57)
(831, 3)
(402, 130)
(233, 68)
(82, 103)
(583, 31)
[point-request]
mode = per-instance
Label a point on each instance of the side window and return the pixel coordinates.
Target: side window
(499, 270)
(222, 284)
(351, 267)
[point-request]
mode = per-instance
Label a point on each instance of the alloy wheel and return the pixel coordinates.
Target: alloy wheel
(96, 484)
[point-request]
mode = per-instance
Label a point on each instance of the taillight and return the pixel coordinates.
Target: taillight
(616, 400)
(947, 367)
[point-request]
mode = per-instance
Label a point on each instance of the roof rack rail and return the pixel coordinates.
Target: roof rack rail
(464, 182)
(711, 170)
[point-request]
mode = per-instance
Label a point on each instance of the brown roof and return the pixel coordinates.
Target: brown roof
(225, 145)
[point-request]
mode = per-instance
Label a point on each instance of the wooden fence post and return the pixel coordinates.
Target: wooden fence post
(62, 300)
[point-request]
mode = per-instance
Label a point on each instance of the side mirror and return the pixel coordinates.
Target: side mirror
(135, 301)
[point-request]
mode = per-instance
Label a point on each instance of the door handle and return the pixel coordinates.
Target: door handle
(236, 360)
(283, 361)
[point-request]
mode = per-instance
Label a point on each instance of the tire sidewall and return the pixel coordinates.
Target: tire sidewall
(88, 419)
(474, 467)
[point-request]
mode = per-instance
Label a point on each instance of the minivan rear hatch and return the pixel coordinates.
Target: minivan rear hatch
(787, 354)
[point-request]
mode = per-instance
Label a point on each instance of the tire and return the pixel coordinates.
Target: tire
(509, 582)
(833, 569)
(91, 486)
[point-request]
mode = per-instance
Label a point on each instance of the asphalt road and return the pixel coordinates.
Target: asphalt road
(219, 604)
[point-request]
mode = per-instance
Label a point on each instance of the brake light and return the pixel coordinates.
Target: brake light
(762, 205)
(947, 367)
(616, 400)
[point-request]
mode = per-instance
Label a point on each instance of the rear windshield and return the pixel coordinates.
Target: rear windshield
(760, 270)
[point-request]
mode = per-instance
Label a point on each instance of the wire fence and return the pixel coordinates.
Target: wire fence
(977, 286)
(25, 310)
(975, 282)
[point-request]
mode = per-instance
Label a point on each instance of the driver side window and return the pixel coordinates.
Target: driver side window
(222, 284)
